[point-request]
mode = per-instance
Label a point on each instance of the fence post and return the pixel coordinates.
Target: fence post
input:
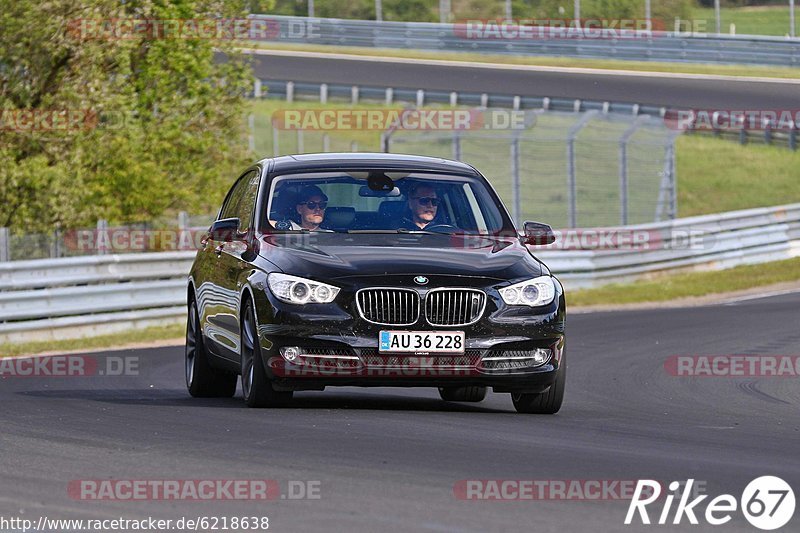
(102, 226)
(55, 250)
(4, 245)
(326, 142)
(300, 143)
(386, 142)
(257, 88)
(275, 146)
(572, 183)
(673, 179)
(793, 137)
(623, 167)
(457, 146)
(515, 182)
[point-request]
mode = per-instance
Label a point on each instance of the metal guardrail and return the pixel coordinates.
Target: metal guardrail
(60, 298)
(655, 46)
(91, 295)
(710, 242)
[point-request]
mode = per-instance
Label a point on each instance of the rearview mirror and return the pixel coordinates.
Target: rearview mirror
(538, 233)
(224, 229)
(366, 192)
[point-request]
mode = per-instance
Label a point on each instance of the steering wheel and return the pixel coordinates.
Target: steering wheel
(442, 228)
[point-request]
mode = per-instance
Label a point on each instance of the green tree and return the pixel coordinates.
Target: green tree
(164, 126)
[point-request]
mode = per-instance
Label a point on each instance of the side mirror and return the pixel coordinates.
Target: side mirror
(224, 229)
(538, 233)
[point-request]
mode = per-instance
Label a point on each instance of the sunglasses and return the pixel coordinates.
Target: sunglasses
(426, 200)
(314, 205)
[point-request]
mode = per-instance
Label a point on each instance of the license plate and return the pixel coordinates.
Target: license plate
(421, 341)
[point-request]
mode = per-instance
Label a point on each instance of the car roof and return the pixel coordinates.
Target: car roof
(366, 160)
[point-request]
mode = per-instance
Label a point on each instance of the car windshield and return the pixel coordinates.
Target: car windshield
(378, 201)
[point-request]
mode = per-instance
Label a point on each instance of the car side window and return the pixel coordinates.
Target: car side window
(240, 202)
(247, 202)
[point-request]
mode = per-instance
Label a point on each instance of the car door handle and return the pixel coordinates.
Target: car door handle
(218, 249)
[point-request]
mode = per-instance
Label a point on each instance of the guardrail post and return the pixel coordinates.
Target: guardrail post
(793, 137)
(290, 91)
(257, 88)
(516, 103)
(515, 182)
(420, 98)
(767, 132)
(453, 99)
(743, 135)
(354, 94)
(572, 183)
(4, 245)
(323, 93)
(389, 95)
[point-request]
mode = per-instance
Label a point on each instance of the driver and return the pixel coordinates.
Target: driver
(423, 204)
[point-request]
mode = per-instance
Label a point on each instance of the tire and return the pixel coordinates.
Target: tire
(547, 402)
(471, 393)
(256, 387)
(202, 380)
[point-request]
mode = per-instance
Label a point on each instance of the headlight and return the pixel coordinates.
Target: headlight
(533, 292)
(294, 290)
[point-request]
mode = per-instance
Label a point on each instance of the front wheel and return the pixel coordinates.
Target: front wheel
(547, 402)
(256, 386)
(202, 380)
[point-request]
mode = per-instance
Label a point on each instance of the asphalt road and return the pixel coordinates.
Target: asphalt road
(680, 92)
(388, 459)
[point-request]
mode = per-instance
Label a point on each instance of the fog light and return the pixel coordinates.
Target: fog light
(540, 356)
(290, 353)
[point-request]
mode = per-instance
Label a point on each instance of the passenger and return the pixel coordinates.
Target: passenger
(310, 206)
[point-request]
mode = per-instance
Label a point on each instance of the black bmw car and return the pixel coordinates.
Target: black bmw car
(369, 270)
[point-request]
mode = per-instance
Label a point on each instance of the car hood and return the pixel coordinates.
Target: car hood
(336, 256)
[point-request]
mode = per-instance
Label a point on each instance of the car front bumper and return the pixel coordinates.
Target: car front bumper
(336, 348)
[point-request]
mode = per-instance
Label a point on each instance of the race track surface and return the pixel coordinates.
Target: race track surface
(679, 92)
(388, 459)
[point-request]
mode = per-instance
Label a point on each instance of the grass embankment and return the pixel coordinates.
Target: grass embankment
(112, 341)
(750, 20)
(692, 284)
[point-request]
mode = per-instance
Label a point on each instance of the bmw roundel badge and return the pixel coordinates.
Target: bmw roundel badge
(421, 280)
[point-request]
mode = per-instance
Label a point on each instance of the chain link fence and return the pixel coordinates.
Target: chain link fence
(567, 169)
